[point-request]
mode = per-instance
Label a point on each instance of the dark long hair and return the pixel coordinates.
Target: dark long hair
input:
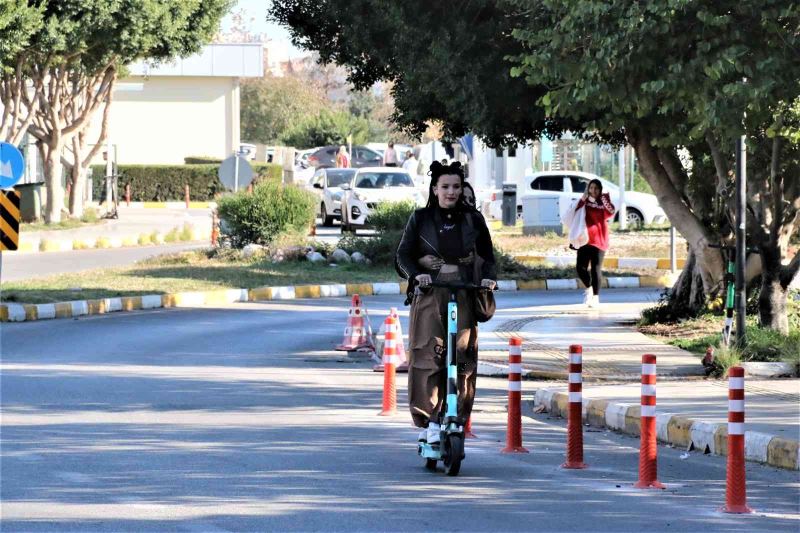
(599, 186)
(438, 170)
(463, 198)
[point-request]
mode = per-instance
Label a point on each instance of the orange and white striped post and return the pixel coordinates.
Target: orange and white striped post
(514, 430)
(648, 448)
(128, 194)
(736, 492)
(574, 420)
(186, 195)
(390, 362)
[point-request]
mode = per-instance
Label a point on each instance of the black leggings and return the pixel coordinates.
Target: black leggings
(593, 277)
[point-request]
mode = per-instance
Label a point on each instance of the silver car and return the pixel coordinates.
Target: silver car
(327, 183)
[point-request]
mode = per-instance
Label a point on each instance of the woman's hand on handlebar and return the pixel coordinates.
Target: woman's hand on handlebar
(424, 280)
(488, 283)
(430, 262)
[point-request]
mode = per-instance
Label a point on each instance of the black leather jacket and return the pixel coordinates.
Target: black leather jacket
(420, 238)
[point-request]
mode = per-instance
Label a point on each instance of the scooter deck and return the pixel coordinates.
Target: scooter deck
(430, 452)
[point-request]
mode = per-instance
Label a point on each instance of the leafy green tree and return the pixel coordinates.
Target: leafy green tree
(328, 127)
(271, 106)
(19, 21)
(77, 54)
(666, 77)
(691, 75)
(446, 61)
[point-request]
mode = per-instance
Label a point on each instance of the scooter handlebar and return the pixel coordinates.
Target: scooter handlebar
(455, 285)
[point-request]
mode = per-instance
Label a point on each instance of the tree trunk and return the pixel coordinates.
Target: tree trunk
(688, 295)
(55, 192)
(78, 173)
(708, 268)
(772, 312)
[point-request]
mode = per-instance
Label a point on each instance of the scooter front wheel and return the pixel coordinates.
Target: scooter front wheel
(453, 454)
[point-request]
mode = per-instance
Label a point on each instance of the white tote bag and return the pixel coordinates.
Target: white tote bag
(567, 213)
(575, 221)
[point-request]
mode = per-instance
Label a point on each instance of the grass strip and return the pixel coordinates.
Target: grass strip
(195, 271)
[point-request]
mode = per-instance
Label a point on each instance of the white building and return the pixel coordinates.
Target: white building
(190, 107)
(490, 168)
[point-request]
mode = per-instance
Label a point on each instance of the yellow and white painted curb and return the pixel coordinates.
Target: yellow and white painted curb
(679, 431)
(37, 244)
(168, 205)
(609, 262)
(13, 312)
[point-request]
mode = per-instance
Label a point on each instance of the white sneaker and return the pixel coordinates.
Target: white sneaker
(433, 433)
(423, 435)
(587, 297)
(594, 302)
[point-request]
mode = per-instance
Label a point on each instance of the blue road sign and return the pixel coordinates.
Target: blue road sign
(12, 166)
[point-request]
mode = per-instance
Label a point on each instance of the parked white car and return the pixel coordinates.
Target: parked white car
(641, 208)
(327, 185)
(371, 186)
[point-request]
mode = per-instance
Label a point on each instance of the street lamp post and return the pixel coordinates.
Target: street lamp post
(741, 248)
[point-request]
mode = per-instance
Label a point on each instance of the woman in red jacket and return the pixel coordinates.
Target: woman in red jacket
(590, 256)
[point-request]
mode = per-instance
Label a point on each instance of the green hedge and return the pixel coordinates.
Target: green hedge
(201, 160)
(269, 211)
(163, 183)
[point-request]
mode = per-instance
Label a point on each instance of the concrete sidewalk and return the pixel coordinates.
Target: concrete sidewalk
(692, 410)
(612, 348)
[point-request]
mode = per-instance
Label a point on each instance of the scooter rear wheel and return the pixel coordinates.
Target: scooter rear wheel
(454, 452)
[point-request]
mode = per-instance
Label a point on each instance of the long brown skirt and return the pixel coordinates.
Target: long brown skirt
(427, 375)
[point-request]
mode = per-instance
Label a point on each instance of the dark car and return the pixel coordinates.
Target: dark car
(362, 156)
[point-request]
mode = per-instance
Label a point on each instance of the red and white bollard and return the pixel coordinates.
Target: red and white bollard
(514, 430)
(390, 363)
(128, 194)
(186, 195)
(648, 448)
(574, 420)
(735, 492)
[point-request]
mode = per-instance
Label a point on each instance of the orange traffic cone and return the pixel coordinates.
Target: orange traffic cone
(468, 430)
(402, 365)
(358, 332)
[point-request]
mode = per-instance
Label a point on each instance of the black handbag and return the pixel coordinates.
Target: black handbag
(485, 305)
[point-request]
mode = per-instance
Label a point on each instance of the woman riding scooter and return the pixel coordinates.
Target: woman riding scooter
(440, 243)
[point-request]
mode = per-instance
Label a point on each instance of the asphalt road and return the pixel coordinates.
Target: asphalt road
(242, 419)
(21, 266)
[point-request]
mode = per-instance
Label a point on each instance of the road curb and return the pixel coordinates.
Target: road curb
(660, 263)
(676, 430)
(168, 205)
(19, 312)
(41, 245)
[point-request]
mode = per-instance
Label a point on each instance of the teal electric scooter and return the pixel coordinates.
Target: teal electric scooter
(450, 449)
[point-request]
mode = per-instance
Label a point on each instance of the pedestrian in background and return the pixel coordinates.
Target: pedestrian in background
(599, 209)
(390, 156)
(342, 158)
(410, 165)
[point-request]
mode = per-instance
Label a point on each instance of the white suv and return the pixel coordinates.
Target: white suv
(372, 186)
(640, 208)
(327, 185)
